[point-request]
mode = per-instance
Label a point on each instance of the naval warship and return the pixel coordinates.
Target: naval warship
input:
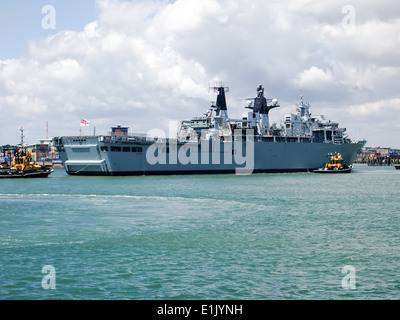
(214, 143)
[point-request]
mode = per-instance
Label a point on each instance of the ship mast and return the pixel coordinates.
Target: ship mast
(22, 136)
(220, 106)
(260, 106)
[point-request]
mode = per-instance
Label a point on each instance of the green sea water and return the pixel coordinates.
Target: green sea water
(257, 237)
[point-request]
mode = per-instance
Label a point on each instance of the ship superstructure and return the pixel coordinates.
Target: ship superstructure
(215, 143)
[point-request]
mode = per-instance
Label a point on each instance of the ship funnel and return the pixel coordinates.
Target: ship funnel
(221, 100)
(221, 106)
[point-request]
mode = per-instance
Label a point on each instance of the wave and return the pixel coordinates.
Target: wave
(201, 202)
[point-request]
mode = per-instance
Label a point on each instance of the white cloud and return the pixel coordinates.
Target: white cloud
(374, 41)
(377, 109)
(313, 78)
(67, 70)
(382, 117)
(142, 63)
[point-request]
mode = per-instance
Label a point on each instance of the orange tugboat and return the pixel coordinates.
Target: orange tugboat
(335, 165)
(23, 166)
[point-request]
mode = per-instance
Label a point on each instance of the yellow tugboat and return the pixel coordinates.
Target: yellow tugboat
(23, 166)
(335, 165)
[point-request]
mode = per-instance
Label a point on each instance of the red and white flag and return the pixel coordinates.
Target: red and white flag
(84, 123)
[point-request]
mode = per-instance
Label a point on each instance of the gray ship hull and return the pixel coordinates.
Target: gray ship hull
(94, 156)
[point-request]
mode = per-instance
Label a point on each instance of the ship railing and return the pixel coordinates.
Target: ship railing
(123, 138)
(338, 141)
(156, 139)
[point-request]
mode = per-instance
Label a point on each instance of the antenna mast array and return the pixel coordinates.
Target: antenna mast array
(22, 136)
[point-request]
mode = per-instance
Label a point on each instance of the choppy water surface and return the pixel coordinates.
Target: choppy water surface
(263, 236)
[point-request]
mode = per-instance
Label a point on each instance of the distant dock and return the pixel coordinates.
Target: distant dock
(379, 161)
(379, 156)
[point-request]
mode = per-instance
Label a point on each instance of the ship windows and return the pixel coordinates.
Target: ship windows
(123, 149)
(137, 149)
(104, 148)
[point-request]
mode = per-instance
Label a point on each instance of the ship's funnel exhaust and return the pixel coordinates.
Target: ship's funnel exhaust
(221, 100)
(221, 106)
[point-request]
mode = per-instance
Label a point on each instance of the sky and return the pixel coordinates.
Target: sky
(146, 64)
